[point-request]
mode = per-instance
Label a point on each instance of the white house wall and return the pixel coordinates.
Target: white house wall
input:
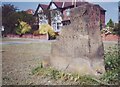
(56, 21)
(40, 10)
(53, 6)
(42, 17)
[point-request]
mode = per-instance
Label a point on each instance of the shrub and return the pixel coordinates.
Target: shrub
(23, 28)
(112, 65)
(36, 32)
(47, 29)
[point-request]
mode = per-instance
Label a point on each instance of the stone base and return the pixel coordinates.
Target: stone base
(82, 66)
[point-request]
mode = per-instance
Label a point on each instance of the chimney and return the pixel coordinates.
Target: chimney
(72, 2)
(75, 3)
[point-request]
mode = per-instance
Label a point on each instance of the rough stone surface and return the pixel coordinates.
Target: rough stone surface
(79, 47)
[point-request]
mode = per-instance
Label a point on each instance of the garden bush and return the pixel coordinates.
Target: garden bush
(23, 28)
(112, 65)
(47, 29)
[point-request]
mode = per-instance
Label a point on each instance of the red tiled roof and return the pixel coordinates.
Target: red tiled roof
(43, 6)
(81, 3)
(70, 4)
(67, 4)
(58, 4)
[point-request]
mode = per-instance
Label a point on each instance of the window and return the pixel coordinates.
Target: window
(58, 26)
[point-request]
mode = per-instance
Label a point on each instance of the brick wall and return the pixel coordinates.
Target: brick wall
(29, 36)
(109, 37)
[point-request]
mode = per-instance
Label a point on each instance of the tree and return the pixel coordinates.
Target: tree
(23, 16)
(116, 29)
(110, 23)
(9, 18)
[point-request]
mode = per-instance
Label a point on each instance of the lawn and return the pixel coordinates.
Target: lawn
(19, 59)
(21, 62)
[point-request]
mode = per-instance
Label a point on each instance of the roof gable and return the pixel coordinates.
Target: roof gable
(68, 4)
(53, 6)
(40, 10)
(58, 4)
(41, 7)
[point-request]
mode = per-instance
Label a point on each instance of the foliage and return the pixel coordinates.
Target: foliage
(110, 23)
(111, 59)
(23, 16)
(112, 30)
(10, 17)
(47, 29)
(112, 63)
(65, 77)
(116, 29)
(36, 32)
(23, 28)
(106, 31)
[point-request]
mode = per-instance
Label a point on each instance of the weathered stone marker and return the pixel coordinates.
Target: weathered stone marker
(79, 47)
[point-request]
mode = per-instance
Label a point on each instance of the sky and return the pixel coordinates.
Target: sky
(110, 7)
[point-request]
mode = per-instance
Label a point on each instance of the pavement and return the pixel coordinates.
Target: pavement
(24, 41)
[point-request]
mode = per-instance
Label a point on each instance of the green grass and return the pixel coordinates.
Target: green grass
(112, 64)
(73, 78)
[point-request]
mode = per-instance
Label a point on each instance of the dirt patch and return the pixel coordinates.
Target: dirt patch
(19, 59)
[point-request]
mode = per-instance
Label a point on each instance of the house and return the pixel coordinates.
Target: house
(57, 14)
(41, 14)
(55, 9)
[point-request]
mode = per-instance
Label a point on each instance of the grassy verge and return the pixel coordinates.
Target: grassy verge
(111, 76)
(56, 75)
(112, 65)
